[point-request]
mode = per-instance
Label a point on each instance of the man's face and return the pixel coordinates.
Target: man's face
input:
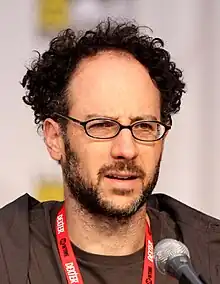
(113, 176)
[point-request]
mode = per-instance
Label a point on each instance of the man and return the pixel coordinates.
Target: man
(104, 100)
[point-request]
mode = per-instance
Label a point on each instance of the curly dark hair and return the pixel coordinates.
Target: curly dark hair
(47, 79)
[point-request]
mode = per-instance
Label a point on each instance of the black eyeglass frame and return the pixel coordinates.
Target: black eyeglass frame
(84, 123)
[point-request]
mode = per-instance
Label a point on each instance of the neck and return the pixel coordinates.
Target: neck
(102, 235)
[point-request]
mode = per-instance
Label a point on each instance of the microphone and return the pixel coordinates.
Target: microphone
(172, 257)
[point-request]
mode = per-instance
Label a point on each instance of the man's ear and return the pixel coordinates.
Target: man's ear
(165, 136)
(53, 139)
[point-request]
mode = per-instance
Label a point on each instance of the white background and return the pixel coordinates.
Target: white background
(191, 31)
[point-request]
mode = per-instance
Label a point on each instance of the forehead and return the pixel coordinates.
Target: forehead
(113, 84)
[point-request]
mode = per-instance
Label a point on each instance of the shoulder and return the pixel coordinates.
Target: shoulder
(18, 208)
(197, 230)
(183, 213)
(15, 220)
(17, 215)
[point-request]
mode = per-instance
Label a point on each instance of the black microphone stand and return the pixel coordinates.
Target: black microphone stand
(181, 268)
(184, 280)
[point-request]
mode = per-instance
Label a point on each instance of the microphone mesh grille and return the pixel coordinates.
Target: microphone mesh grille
(168, 249)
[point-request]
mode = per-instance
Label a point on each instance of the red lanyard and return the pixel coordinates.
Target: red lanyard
(69, 261)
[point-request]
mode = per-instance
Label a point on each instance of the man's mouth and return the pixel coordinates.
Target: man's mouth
(124, 176)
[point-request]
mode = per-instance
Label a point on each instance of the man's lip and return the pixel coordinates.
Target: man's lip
(121, 175)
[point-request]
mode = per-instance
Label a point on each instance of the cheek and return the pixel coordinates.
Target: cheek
(92, 157)
(150, 156)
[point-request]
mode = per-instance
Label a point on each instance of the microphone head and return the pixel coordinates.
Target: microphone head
(166, 250)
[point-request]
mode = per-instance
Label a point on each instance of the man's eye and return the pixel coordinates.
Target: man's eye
(103, 124)
(144, 126)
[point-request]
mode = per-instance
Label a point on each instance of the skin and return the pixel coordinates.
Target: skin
(115, 85)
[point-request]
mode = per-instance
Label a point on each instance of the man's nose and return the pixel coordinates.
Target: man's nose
(124, 146)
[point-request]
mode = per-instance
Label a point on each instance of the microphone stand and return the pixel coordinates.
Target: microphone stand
(181, 268)
(184, 280)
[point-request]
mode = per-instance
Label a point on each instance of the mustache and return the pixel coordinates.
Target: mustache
(122, 166)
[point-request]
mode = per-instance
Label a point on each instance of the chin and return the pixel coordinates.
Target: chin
(123, 206)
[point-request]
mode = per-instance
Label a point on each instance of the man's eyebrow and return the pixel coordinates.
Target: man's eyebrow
(97, 115)
(143, 117)
(132, 118)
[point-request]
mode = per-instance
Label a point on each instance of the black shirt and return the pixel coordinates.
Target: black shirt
(28, 250)
(46, 267)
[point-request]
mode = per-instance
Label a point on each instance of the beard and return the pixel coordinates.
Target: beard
(89, 196)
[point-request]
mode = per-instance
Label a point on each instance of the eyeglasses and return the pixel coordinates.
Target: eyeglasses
(104, 128)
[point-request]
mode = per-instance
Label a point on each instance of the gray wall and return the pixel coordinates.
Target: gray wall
(191, 31)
